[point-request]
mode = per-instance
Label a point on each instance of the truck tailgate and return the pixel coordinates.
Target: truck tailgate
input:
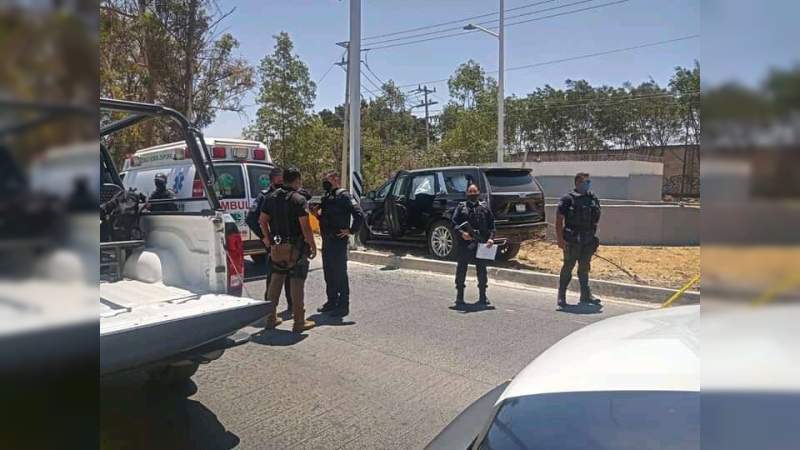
(142, 323)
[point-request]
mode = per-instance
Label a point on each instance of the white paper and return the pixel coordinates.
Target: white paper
(485, 252)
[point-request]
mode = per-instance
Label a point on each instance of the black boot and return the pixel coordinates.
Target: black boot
(460, 296)
(482, 299)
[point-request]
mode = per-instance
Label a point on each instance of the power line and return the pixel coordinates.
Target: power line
(462, 20)
(572, 58)
(588, 8)
(430, 33)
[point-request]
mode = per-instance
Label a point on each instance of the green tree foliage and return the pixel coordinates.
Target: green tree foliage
(169, 52)
(284, 99)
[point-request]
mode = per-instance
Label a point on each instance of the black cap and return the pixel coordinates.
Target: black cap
(290, 174)
(275, 172)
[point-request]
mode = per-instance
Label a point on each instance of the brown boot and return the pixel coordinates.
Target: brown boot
(272, 321)
(299, 326)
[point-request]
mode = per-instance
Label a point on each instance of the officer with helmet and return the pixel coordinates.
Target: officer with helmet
(576, 231)
(162, 193)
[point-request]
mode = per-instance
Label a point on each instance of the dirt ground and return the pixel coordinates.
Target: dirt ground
(670, 267)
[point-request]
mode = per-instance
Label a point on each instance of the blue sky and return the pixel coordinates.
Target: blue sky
(316, 25)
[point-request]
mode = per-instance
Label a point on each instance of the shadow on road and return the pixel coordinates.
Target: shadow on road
(467, 308)
(277, 338)
(323, 320)
(138, 415)
(582, 308)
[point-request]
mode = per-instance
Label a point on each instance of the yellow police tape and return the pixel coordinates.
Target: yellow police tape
(681, 291)
(770, 294)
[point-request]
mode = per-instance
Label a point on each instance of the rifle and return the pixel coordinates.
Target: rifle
(465, 227)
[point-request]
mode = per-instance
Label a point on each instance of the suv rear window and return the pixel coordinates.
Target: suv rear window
(512, 181)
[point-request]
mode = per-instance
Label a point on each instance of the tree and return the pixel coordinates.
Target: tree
(467, 82)
(285, 98)
(170, 52)
(685, 85)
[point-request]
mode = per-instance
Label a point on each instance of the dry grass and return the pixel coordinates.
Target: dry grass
(669, 267)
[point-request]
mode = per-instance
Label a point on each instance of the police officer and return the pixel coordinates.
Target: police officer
(275, 182)
(576, 229)
(474, 223)
(284, 220)
(162, 193)
(338, 208)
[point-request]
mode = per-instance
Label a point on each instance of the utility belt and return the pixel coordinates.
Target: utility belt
(582, 237)
(285, 253)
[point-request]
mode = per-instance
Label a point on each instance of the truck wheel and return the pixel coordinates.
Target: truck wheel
(259, 259)
(442, 240)
(174, 373)
(508, 251)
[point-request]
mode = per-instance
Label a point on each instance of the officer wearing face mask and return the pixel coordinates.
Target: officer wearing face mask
(473, 222)
(161, 193)
(576, 231)
(338, 207)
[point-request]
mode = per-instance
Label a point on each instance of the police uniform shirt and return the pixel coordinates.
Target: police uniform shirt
(338, 206)
(297, 207)
(480, 217)
(567, 205)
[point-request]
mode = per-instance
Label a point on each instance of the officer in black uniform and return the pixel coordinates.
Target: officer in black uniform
(275, 182)
(338, 207)
(480, 229)
(162, 193)
(576, 229)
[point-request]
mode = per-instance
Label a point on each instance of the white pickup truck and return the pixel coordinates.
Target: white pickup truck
(171, 281)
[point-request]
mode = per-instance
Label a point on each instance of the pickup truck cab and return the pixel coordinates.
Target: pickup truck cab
(416, 206)
(171, 279)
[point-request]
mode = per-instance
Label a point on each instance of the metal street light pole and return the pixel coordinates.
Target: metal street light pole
(500, 35)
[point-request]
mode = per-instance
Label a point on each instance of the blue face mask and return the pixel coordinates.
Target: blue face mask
(584, 187)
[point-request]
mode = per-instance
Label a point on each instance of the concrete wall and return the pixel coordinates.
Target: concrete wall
(620, 180)
(642, 224)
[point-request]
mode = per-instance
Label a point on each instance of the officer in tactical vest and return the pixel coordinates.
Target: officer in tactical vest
(473, 222)
(162, 193)
(338, 207)
(576, 229)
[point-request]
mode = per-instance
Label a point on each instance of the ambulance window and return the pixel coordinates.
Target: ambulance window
(230, 181)
(259, 178)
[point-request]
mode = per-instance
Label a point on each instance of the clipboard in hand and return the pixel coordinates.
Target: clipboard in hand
(485, 252)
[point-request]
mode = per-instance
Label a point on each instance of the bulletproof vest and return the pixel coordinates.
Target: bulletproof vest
(335, 211)
(478, 218)
(162, 194)
(583, 214)
(281, 216)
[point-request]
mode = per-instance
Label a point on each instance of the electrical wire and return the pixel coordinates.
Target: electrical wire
(462, 20)
(572, 58)
(417, 41)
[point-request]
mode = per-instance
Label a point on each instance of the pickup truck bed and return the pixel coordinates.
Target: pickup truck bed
(142, 322)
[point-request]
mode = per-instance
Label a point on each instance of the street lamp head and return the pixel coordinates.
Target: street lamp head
(470, 27)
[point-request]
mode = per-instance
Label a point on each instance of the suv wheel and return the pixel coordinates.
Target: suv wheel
(441, 240)
(508, 251)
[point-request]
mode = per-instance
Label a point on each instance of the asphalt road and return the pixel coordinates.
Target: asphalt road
(389, 376)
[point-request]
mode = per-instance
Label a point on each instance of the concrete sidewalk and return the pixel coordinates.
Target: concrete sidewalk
(600, 288)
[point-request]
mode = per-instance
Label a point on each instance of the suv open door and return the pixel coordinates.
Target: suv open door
(395, 206)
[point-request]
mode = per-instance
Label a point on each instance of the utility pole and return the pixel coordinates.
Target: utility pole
(501, 99)
(354, 79)
(425, 91)
(345, 63)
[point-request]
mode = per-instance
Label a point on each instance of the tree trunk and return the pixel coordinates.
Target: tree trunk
(188, 74)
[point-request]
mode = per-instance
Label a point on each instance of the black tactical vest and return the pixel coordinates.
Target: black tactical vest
(583, 214)
(335, 211)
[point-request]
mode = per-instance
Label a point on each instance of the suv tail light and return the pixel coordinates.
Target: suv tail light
(197, 188)
(235, 250)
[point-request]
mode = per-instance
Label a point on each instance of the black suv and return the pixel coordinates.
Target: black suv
(416, 206)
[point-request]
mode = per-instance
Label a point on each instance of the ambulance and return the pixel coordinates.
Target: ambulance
(242, 169)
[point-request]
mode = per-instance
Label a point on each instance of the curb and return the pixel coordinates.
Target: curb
(600, 287)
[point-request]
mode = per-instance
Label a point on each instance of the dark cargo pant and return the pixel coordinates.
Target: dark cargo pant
(582, 254)
(334, 267)
(466, 256)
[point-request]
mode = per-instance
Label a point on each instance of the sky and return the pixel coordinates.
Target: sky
(316, 25)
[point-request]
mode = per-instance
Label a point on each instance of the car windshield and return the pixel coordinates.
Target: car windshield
(597, 420)
(511, 181)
